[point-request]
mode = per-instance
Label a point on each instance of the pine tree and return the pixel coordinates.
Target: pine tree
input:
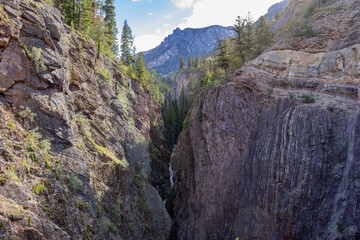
(263, 37)
(222, 55)
(243, 38)
(181, 62)
(140, 68)
(110, 25)
(86, 15)
(189, 62)
(68, 8)
(96, 32)
(127, 45)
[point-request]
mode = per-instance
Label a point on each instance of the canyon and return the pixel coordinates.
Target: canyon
(273, 152)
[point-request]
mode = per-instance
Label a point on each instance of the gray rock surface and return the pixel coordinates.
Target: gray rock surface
(99, 179)
(274, 154)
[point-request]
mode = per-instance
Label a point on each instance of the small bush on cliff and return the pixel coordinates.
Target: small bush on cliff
(11, 174)
(35, 134)
(84, 124)
(75, 183)
(139, 176)
(45, 145)
(37, 59)
(308, 99)
(50, 2)
(27, 114)
(106, 224)
(107, 76)
(39, 188)
(330, 108)
(340, 226)
(116, 211)
(3, 16)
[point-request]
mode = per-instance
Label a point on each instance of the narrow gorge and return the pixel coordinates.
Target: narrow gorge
(270, 152)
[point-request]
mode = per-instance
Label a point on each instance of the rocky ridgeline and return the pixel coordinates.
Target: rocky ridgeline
(275, 153)
(188, 42)
(105, 130)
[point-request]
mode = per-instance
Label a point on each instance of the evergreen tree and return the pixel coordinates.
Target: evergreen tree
(69, 8)
(170, 126)
(263, 37)
(140, 68)
(110, 25)
(197, 62)
(222, 55)
(86, 15)
(127, 45)
(243, 38)
(96, 32)
(181, 62)
(189, 62)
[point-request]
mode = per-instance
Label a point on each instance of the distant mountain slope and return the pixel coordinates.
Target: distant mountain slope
(193, 42)
(276, 8)
(188, 42)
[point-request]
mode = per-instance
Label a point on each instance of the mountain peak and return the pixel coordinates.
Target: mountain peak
(188, 42)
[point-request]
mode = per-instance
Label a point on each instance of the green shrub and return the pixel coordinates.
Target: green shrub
(27, 113)
(308, 99)
(11, 125)
(35, 134)
(37, 59)
(270, 93)
(139, 176)
(45, 145)
(330, 108)
(34, 157)
(122, 95)
(84, 123)
(75, 183)
(107, 75)
(50, 2)
(116, 211)
(340, 226)
(200, 116)
(11, 174)
(39, 189)
(3, 16)
(106, 224)
(186, 122)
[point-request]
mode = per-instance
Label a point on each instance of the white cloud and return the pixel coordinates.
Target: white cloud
(214, 12)
(182, 4)
(149, 41)
(203, 13)
(136, 0)
(149, 13)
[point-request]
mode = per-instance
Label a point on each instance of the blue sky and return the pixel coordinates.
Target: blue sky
(152, 20)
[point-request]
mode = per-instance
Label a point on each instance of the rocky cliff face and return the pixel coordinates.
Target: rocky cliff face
(188, 42)
(182, 82)
(105, 132)
(275, 153)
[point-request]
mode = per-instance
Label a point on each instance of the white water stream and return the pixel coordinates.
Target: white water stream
(171, 175)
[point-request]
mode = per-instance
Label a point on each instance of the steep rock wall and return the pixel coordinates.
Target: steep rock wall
(274, 154)
(105, 132)
(257, 167)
